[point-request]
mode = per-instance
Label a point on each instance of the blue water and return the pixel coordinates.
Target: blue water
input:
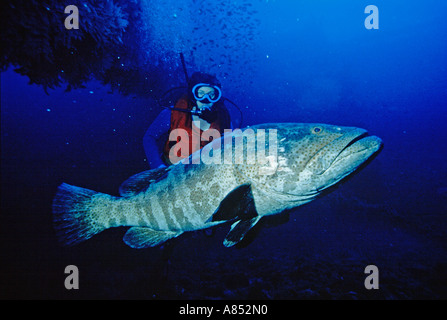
(279, 61)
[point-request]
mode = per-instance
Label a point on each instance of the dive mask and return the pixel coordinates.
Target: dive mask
(212, 96)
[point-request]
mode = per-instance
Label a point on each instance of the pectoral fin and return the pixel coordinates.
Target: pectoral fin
(238, 231)
(140, 237)
(237, 205)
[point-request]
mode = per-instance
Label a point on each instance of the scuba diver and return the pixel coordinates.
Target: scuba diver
(202, 104)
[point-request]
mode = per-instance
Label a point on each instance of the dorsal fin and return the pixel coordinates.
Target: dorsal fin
(141, 181)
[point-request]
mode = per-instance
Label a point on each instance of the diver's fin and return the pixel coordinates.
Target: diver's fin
(238, 204)
(140, 237)
(238, 231)
(140, 181)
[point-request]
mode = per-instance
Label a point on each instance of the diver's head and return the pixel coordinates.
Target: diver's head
(206, 95)
(204, 90)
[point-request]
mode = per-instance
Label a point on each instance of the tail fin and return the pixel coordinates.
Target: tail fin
(75, 214)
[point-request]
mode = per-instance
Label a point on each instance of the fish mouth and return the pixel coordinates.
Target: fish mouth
(357, 147)
(356, 151)
(356, 139)
(353, 147)
(326, 156)
(362, 144)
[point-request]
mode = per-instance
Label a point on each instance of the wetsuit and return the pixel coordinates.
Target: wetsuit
(156, 140)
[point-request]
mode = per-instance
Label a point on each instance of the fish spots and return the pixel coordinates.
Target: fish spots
(214, 190)
(204, 195)
(122, 221)
(174, 216)
(112, 221)
(309, 149)
(187, 197)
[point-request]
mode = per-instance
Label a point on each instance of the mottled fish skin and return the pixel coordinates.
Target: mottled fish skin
(183, 201)
(309, 158)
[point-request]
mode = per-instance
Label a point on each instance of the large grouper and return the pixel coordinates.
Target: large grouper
(301, 160)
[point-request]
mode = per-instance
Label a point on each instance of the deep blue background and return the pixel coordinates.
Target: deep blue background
(299, 61)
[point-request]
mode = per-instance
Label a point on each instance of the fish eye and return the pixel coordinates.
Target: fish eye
(317, 130)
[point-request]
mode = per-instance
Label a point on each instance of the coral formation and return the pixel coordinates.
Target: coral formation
(36, 42)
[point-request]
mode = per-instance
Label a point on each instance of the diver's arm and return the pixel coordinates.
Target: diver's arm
(158, 127)
(152, 153)
(226, 118)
